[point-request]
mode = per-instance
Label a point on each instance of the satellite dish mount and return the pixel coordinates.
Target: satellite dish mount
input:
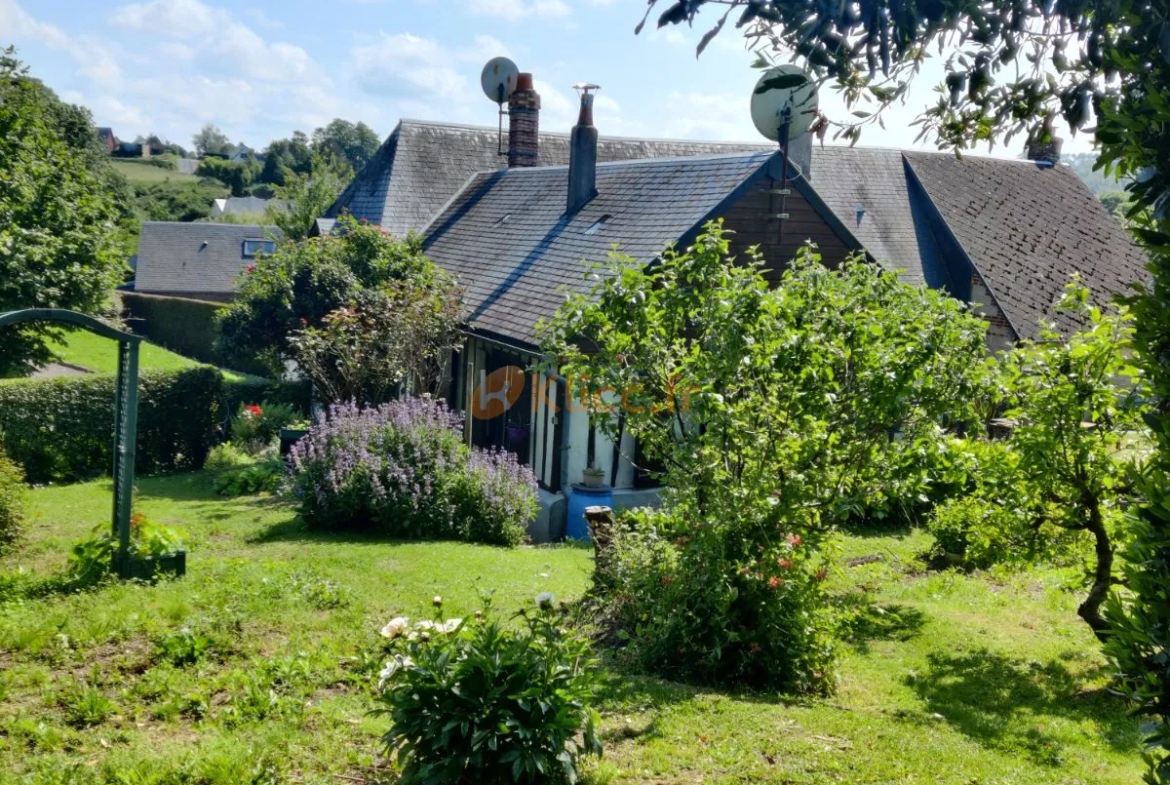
(498, 81)
(784, 105)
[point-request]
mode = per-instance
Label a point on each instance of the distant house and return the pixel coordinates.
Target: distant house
(242, 205)
(240, 153)
(107, 139)
(202, 261)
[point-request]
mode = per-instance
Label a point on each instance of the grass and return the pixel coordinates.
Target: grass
(142, 173)
(256, 667)
(100, 355)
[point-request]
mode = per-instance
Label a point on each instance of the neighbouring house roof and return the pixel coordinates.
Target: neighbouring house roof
(423, 164)
(322, 227)
(200, 258)
(243, 205)
(1020, 227)
(507, 237)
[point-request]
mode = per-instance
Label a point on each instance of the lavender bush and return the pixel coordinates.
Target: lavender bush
(403, 469)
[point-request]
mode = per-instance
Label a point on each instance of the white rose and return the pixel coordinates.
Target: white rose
(395, 627)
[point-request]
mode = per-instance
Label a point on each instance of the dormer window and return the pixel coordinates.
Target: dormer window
(254, 248)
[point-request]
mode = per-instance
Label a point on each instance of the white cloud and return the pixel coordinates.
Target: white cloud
(222, 43)
(518, 10)
(722, 117)
(96, 60)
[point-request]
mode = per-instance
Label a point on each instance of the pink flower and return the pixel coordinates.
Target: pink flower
(250, 268)
(794, 540)
(785, 564)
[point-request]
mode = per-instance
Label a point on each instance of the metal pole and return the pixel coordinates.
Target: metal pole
(127, 419)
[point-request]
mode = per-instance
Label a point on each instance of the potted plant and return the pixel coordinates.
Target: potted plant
(593, 477)
(292, 434)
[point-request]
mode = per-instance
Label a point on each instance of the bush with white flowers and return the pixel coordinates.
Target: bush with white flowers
(477, 702)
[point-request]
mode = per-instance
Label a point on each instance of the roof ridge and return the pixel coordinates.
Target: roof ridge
(667, 140)
(629, 162)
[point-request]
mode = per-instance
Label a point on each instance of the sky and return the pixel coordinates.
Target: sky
(260, 69)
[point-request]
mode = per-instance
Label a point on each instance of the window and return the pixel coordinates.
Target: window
(598, 225)
(253, 248)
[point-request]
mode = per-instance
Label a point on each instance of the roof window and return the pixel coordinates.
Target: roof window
(253, 248)
(599, 224)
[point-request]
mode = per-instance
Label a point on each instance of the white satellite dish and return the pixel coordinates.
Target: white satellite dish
(785, 92)
(499, 79)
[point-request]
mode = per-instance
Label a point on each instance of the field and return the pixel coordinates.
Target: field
(141, 173)
(965, 679)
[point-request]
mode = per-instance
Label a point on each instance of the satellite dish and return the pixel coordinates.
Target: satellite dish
(784, 92)
(499, 79)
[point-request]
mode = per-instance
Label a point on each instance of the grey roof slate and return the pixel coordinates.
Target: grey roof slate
(506, 237)
(194, 258)
(1026, 228)
(423, 164)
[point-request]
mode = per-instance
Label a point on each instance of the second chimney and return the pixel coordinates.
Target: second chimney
(524, 124)
(583, 155)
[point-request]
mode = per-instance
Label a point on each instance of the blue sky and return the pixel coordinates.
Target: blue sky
(262, 68)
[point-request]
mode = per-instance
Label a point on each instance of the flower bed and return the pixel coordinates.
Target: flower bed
(403, 469)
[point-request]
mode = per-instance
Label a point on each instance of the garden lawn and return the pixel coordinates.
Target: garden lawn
(100, 355)
(967, 679)
(142, 173)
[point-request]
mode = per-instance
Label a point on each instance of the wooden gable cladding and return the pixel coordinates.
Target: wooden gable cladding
(751, 218)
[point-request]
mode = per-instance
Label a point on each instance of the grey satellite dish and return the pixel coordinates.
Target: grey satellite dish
(784, 93)
(499, 79)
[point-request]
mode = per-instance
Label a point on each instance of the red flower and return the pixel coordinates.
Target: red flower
(304, 322)
(254, 410)
(774, 583)
(785, 564)
(250, 268)
(794, 540)
(822, 575)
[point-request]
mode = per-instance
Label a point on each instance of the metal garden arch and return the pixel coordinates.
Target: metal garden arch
(125, 415)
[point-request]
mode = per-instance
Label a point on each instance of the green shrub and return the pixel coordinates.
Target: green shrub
(403, 469)
(243, 391)
(13, 502)
(180, 324)
(479, 702)
(62, 429)
(93, 559)
(263, 476)
(226, 456)
(696, 602)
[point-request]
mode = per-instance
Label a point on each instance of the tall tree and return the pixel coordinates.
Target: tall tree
(1014, 67)
(59, 213)
(305, 197)
(342, 139)
(211, 141)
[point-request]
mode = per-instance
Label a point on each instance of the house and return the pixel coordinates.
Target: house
(108, 141)
(242, 205)
(201, 261)
(240, 153)
(1002, 233)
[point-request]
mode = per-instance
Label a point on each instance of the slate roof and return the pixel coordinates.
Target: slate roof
(1022, 227)
(1026, 228)
(194, 258)
(537, 252)
(423, 164)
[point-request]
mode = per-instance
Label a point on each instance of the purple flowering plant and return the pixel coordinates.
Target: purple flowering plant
(402, 469)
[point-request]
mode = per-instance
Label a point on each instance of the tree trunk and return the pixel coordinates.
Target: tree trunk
(1090, 609)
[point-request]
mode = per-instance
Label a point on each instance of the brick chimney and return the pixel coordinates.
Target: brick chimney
(524, 124)
(583, 154)
(1044, 152)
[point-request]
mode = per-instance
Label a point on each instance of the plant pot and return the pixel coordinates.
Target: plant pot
(289, 437)
(593, 478)
(517, 434)
(149, 567)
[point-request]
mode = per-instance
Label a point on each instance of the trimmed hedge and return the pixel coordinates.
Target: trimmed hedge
(184, 326)
(61, 430)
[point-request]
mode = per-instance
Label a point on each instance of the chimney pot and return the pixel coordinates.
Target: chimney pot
(583, 155)
(1044, 152)
(524, 124)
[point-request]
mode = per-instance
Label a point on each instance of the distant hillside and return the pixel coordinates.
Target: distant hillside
(1082, 164)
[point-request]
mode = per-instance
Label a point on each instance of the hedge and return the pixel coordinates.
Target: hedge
(177, 323)
(61, 430)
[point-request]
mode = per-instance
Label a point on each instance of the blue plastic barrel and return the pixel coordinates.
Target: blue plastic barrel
(583, 496)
